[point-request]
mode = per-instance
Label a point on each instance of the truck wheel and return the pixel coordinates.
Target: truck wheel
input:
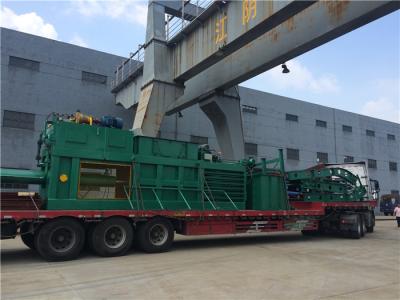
(385, 213)
(310, 232)
(371, 228)
(27, 237)
(363, 225)
(155, 235)
(112, 237)
(356, 233)
(60, 239)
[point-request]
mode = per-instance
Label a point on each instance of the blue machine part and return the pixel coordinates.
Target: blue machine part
(113, 122)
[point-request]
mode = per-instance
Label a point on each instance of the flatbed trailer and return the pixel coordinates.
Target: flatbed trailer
(107, 188)
(349, 218)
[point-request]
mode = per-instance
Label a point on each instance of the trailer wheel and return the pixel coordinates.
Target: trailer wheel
(356, 233)
(310, 232)
(155, 235)
(363, 225)
(370, 228)
(60, 239)
(112, 237)
(27, 237)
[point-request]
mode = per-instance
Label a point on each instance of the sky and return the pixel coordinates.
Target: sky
(357, 72)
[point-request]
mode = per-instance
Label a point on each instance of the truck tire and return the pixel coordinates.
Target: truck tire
(310, 232)
(60, 239)
(363, 225)
(370, 228)
(111, 237)
(27, 237)
(356, 233)
(155, 235)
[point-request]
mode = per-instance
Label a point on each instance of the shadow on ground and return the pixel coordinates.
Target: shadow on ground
(25, 255)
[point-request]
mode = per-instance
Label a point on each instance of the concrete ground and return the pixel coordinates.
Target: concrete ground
(269, 266)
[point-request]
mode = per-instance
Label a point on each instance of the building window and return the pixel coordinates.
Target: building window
(347, 128)
(392, 166)
(293, 154)
(14, 186)
(391, 137)
(320, 123)
(93, 77)
(24, 63)
(201, 140)
(292, 118)
(370, 132)
(348, 159)
(17, 119)
(322, 157)
(250, 149)
(394, 192)
(249, 109)
(372, 164)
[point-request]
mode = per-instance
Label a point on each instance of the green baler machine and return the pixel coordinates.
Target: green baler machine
(86, 166)
(93, 167)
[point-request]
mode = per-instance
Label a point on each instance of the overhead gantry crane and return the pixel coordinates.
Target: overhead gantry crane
(198, 51)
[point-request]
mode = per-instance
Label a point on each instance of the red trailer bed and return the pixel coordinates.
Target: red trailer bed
(307, 217)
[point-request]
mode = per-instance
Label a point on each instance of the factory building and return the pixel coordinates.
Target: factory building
(40, 76)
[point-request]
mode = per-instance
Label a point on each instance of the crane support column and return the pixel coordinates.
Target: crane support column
(224, 112)
(158, 89)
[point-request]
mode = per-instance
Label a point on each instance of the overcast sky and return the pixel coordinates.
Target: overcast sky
(358, 72)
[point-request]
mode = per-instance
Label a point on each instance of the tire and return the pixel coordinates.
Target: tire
(155, 235)
(370, 229)
(385, 213)
(112, 237)
(310, 232)
(363, 226)
(27, 237)
(60, 239)
(357, 233)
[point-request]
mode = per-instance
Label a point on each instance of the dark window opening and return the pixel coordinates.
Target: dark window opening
(347, 128)
(93, 77)
(249, 109)
(391, 137)
(348, 159)
(372, 164)
(293, 154)
(292, 118)
(201, 140)
(17, 119)
(392, 166)
(24, 63)
(370, 132)
(250, 149)
(320, 123)
(322, 157)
